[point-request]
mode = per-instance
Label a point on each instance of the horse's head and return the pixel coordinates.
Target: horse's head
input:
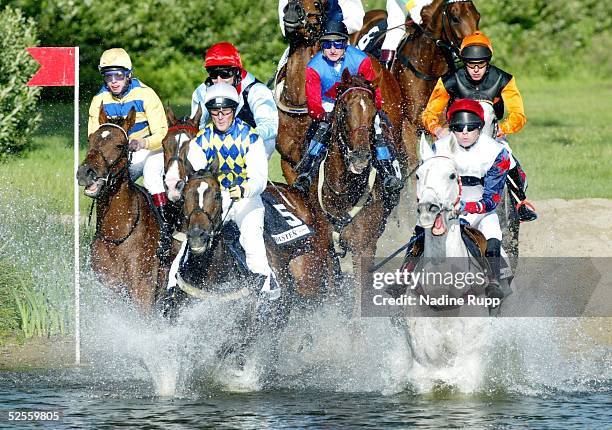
(303, 20)
(438, 184)
(202, 207)
(175, 144)
(107, 157)
(354, 120)
(451, 20)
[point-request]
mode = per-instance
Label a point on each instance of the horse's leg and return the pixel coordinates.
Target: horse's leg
(288, 172)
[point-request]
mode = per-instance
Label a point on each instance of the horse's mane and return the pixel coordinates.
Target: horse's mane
(204, 174)
(117, 120)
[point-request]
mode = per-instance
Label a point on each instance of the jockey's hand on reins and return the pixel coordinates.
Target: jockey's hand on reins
(236, 192)
(136, 144)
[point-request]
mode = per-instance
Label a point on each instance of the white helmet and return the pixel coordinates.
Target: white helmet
(221, 95)
(113, 59)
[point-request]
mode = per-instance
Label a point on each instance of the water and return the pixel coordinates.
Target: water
(332, 372)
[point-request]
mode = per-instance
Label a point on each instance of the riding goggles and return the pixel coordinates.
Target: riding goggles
(460, 127)
(338, 44)
(224, 112)
(476, 65)
(221, 73)
(114, 76)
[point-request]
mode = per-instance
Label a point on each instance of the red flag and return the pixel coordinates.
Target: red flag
(56, 67)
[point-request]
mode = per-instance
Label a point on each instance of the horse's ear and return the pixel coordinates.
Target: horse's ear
(170, 115)
(452, 144)
(197, 117)
(425, 150)
(346, 75)
(427, 14)
(130, 120)
(213, 166)
(102, 118)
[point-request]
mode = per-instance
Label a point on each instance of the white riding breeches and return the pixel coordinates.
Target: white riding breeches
(396, 17)
(487, 224)
(149, 165)
(248, 214)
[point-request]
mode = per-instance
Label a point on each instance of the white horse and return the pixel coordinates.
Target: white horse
(448, 349)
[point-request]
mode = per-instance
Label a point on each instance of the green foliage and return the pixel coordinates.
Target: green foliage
(17, 101)
(549, 38)
(166, 40)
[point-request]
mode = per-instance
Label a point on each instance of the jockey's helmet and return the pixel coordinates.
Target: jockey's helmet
(465, 112)
(335, 30)
(222, 54)
(476, 47)
(115, 59)
(220, 96)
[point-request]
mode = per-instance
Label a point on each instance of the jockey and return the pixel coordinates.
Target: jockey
(397, 10)
(256, 106)
(120, 93)
(483, 165)
(350, 12)
(323, 74)
(494, 88)
(243, 175)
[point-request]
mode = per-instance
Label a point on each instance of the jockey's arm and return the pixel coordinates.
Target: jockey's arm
(256, 166)
(352, 13)
(494, 181)
(94, 114)
(396, 18)
(156, 117)
(265, 113)
(314, 97)
(197, 99)
(435, 107)
(367, 71)
(516, 119)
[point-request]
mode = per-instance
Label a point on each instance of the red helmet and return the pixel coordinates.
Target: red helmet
(222, 54)
(465, 111)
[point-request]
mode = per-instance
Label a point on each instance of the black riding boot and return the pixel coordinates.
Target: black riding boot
(493, 254)
(516, 185)
(165, 228)
(309, 164)
(413, 253)
(387, 165)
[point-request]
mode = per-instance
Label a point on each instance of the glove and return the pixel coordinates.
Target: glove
(137, 144)
(460, 208)
(440, 132)
(236, 192)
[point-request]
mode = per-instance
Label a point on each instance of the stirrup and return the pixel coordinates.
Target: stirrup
(529, 213)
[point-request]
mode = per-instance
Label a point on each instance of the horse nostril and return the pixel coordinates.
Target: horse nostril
(433, 208)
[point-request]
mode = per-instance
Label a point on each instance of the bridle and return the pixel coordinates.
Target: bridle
(182, 128)
(312, 29)
(110, 178)
(448, 43)
(340, 114)
(449, 208)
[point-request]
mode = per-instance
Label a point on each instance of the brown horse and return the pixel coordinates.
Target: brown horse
(349, 192)
(123, 251)
(305, 270)
(304, 25)
(426, 54)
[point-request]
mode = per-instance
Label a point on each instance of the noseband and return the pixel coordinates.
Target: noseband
(445, 208)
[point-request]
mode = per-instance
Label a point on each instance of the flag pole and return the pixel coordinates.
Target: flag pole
(77, 296)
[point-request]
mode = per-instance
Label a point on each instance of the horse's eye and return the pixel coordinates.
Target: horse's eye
(452, 177)
(455, 19)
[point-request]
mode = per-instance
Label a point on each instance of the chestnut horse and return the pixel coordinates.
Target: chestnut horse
(304, 25)
(349, 191)
(306, 270)
(426, 54)
(123, 250)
